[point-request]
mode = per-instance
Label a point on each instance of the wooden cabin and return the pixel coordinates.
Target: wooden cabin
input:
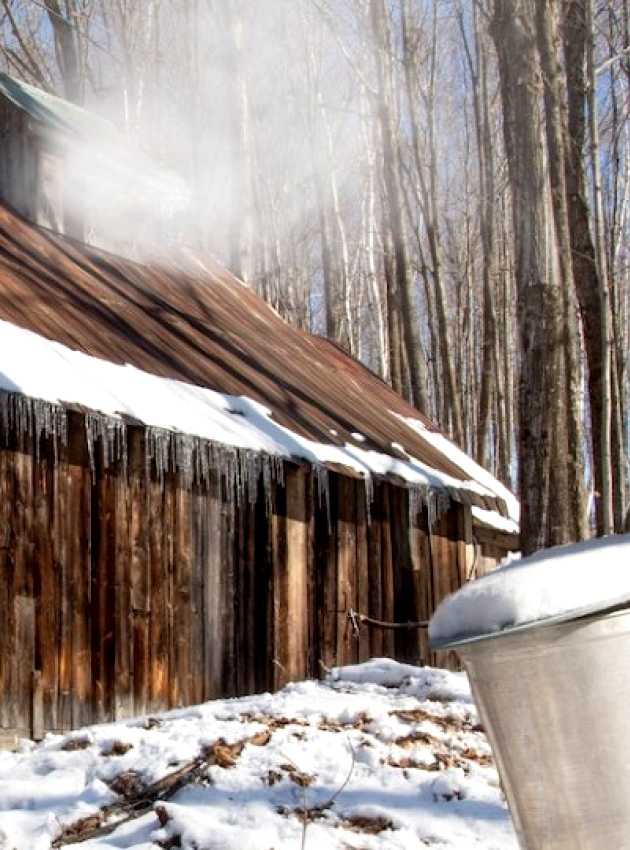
(195, 496)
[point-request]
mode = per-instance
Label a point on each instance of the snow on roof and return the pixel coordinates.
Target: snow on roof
(471, 468)
(184, 345)
(40, 368)
(491, 519)
(551, 583)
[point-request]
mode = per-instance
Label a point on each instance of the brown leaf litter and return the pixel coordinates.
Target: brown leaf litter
(117, 748)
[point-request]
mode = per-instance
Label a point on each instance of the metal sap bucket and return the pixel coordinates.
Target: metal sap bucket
(554, 697)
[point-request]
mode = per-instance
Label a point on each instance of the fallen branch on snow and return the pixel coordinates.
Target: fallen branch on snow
(109, 818)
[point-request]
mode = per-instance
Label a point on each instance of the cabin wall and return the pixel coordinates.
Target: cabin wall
(129, 587)
(31, 171)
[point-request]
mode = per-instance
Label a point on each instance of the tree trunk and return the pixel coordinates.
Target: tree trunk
(604, 293)
(556, 128)
(585, 272)
(401, 271)
(537, 305)
(67, 51)
(489, 372)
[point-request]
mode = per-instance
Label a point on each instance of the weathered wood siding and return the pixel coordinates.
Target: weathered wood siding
(129, 586)
(31, 170)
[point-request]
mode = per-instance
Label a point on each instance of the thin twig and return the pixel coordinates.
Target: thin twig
(77, 29)
(345, 782)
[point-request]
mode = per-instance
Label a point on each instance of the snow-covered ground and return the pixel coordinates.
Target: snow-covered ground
(381, 755)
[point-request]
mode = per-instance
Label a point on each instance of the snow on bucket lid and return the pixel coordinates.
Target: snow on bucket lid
(553, 585)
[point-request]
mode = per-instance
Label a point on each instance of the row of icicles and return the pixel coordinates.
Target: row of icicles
(197, 461)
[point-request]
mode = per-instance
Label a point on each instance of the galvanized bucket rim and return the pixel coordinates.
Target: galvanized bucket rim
(586, 612)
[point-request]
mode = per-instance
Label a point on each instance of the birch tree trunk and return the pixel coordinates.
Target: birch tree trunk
(602, 266)
(485, 156)
(427, 198)
(400, 271)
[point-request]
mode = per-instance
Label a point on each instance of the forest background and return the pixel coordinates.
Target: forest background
(439, 186)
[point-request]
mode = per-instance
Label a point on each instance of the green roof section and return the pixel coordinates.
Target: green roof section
(59, 114)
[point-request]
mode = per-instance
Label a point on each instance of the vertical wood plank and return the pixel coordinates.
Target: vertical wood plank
(46, 589)
(103, 508)
(389, 649)
(24, 604)
(173, 684)
(280, 600)
(24, 661)
(228, 570)
(375, 572)
(422, 578)
(312, 566)
(139, 568)
(210, 529)
(79, 564)
(123, 635)
(465, 545)
(62, 523)
(346, 564)
(198, 561)
(362, 590)
(246, 603)
(297, 580)
(7, 640)
(182, 591)
(158, 616)
(445, 571)
(405, 610)
(326, 578)
(264, 591)
(37, 707)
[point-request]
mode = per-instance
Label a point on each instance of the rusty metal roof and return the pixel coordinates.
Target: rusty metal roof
(193, 321)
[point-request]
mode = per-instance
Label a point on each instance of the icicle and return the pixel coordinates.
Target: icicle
(184, 449)
(224, 461)
(437, 501)
(417, 501)
(111, 434)
(34, 420)
(205, 463)
(268, 477)
(161, 451)
(368, 482)
(254, 470)
(323, 491)
(89, 439)
(442, 502)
